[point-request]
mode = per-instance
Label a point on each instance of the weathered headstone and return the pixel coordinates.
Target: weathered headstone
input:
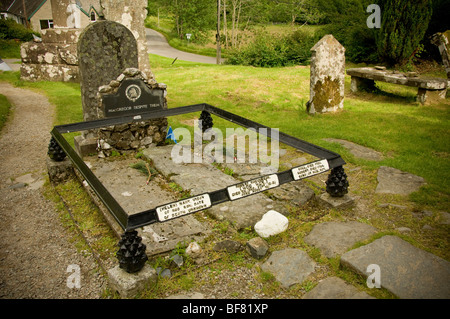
(105, 49)
(54, 57)
(112, 85)
(327, 76)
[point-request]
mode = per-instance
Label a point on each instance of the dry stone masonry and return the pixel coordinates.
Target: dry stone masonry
(138, 134)
(327, 76)
(51, 59)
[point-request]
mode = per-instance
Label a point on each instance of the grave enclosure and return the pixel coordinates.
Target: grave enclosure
(125, 109)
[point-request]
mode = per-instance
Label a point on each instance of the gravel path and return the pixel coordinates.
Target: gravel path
(35, 252)
(157, 44)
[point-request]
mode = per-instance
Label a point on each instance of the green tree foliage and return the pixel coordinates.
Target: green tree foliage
(10, 29)
(346, 21)
(194, 17)
(403, 25)
(269, 50)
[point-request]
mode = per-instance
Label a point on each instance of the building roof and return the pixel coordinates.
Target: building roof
(31, 6)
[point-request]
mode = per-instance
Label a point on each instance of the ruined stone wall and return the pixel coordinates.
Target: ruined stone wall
(53, 59)
(132, 14)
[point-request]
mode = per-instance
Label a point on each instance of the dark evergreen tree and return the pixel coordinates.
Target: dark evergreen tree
(403, 26)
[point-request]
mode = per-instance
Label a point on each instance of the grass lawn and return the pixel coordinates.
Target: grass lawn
(4, 110)
(412, 137)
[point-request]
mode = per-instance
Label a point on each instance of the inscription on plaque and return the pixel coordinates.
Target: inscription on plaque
(133, 97)
(310, 169)
(183, 207)
(252, 187)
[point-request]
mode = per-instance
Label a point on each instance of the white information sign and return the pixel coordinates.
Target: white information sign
(183, 207)
(252, 187)
(310, 169)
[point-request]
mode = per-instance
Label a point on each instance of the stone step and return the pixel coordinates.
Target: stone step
(405, 270)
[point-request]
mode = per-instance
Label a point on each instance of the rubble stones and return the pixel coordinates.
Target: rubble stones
(272, 223)
(229, 246)
(257, 247)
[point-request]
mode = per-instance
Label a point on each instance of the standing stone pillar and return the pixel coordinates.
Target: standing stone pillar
(327, 76)
(441, 40)
(132, 14)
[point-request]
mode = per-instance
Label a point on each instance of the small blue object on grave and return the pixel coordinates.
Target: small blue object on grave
(171, 135)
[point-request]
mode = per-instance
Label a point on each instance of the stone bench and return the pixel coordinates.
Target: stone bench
(428, 88)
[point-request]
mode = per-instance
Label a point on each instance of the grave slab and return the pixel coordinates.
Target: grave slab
(335, 288)
(394, 181)
(289, 266)
(128, 186)
(335, 238)
(405, 270)
(200, 178)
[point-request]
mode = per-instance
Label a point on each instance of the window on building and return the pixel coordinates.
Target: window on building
(46, 24)
(93, 17)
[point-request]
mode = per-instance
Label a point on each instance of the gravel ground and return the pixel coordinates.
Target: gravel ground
(35, 251)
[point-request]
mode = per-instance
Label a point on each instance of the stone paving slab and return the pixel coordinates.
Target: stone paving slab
(289, 266)
(395, 181)
(335, 238)
(405, 270)
(335, 288)
(358, 150)
(200, 178)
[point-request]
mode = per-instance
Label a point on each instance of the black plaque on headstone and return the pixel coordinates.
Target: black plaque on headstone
(133, 97)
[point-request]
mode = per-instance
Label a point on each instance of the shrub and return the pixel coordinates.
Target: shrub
(10, 29)
(272, 50)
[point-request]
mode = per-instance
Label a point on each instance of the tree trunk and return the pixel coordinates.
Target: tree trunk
(225, 30)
